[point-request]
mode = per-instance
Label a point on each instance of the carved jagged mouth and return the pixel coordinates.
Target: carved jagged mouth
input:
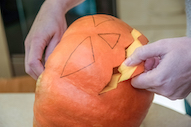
(123, 72)
(113, 82)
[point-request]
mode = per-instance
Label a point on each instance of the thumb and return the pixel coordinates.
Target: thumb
(156, 49)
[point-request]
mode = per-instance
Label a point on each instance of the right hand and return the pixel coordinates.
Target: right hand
(45, 33)
(168, 68)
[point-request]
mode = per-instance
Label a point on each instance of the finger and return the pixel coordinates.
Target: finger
(53, 43)
(34, 58)
(28, 70)
(55, 40)
(155, 49)
(151, 63)
(31, 73)
(145, 80)
(157, 61)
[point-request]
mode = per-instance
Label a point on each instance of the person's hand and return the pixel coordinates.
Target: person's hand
(45, 34)
(168, 67)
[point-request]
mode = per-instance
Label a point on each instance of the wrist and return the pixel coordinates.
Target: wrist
(65, 5)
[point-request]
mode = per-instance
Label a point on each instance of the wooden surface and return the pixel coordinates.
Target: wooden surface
(5, 63)
(17, 84)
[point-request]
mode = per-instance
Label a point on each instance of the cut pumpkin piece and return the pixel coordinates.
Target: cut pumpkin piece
(135, 33)
(126, 72)
(140, 68)
(132, 47)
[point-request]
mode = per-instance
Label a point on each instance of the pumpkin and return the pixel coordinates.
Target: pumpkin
(86, 84)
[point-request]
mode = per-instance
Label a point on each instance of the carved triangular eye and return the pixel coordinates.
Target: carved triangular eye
(110, 38)
(100, 20)
(82, 56)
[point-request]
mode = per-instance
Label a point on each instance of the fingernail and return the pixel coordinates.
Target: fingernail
(127, 62)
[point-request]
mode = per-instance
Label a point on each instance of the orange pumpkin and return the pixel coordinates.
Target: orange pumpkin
(75, 89)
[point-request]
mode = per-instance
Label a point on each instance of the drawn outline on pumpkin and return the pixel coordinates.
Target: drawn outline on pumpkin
(62, 75)
(102, 34)
(105, 40)
(97, 24)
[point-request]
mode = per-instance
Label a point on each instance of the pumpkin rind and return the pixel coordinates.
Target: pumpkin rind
(68, 93)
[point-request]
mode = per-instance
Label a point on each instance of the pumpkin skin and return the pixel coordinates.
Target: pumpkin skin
(82, 64)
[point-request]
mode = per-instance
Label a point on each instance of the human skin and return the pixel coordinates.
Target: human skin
(168, 67)
(45, 34)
